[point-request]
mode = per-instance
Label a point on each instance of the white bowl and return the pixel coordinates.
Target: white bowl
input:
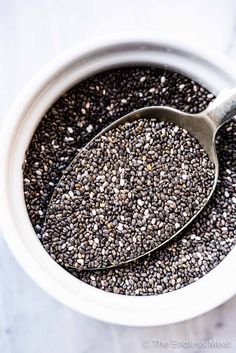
(211, 69)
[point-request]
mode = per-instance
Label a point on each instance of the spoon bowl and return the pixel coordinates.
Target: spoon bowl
(202, 126)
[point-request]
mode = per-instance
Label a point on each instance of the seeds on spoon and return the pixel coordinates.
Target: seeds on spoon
(126, 193)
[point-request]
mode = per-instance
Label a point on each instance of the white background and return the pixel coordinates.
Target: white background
(31, 33)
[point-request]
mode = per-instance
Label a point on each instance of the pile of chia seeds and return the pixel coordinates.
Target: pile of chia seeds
(126, 193)
(77, 117)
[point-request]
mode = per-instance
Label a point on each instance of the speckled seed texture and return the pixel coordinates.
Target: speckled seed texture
(126, 193)
(77, 117)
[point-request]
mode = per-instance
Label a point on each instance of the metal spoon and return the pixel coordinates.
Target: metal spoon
(203, 126)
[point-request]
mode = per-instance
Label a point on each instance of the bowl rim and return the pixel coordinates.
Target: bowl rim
(96, 303)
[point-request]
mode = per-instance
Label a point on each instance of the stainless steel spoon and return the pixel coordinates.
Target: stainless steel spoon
(203, 126)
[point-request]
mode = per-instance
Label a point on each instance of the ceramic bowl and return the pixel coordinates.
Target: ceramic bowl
(212, 70)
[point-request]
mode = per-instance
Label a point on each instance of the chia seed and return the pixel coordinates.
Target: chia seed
(204, 244)
(136, 153)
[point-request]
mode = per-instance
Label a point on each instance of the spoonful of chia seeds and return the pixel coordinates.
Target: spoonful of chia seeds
(135, 186)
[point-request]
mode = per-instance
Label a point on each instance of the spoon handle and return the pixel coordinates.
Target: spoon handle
(223, 108)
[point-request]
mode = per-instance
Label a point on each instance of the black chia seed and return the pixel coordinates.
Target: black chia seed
(78, 116)
(126, 193)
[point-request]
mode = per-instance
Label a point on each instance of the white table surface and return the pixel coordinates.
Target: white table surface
(31, 33)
